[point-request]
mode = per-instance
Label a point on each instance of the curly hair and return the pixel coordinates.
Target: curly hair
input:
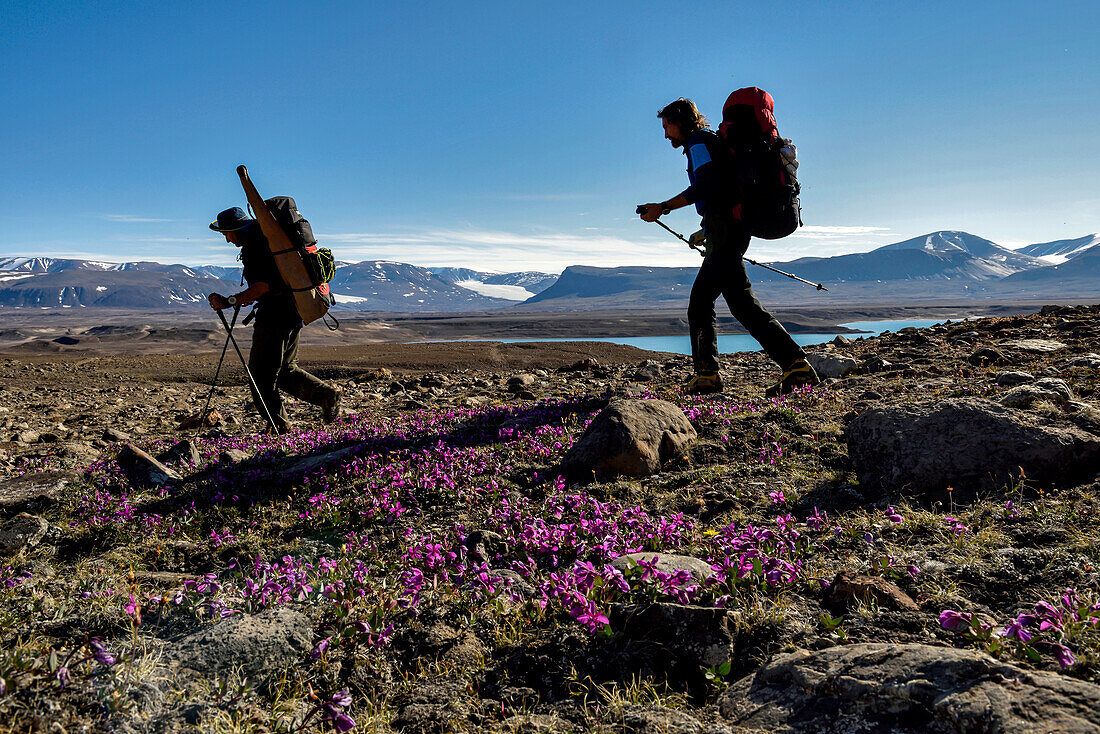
(684, 113)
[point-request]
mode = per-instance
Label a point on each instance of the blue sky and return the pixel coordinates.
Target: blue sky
(510, 136)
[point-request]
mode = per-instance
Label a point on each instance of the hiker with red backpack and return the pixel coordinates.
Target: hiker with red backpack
(273, 358)
(733, 190)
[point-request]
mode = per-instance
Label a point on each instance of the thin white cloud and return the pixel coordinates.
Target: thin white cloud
(131, 219)
(502, 250)
(533, 197)
(630, 244)
(837, 232)
(553, 251)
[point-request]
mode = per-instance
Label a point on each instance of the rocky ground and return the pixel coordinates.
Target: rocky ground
(535, 538)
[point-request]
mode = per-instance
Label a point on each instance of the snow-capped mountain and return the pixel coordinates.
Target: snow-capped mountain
(510, 286)
(1057, 252)
(950, 241)
(382, 285)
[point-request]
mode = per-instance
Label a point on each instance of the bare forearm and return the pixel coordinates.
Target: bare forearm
(252, 293)
(677, 202)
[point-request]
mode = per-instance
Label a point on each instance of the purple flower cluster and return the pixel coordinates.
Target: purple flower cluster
(10, 579)
(958, 527)
(1047, 628)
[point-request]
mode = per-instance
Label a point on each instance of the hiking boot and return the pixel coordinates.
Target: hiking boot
(704, 383)
(280, 428)
(799, 374)
(330, 406)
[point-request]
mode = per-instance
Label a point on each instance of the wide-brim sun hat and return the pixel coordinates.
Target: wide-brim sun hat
(231, 220)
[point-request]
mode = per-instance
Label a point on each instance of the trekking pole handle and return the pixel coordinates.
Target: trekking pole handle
(641, 210)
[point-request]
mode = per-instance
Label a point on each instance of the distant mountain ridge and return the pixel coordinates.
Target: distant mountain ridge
(939, 265)
(376, 285)
(944, 264)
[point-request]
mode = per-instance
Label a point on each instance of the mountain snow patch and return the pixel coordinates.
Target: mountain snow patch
(507, 292)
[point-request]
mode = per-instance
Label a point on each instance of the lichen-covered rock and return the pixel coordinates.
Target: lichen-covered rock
(1011, 378)
(1048, 389)
(848, 588)
(1036, 346)
(907, 689)
(632, 438)
(21, 531)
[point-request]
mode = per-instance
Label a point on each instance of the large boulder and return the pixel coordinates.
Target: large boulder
(630, 437)
(880, 687)
(967, 444)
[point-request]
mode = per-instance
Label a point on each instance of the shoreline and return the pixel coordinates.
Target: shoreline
(197, 330)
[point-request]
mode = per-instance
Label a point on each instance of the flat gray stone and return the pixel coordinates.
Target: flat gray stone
(1036, 346)
(668, 563)
(832, 365)
(1091, 360)
(31, 491)
(260, 644)
(1010, 378)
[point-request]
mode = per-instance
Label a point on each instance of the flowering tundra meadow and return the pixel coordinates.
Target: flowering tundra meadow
(431, 544)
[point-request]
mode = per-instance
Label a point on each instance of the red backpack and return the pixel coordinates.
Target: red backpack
(764, 165)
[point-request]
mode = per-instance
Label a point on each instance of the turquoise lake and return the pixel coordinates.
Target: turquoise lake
(738, 342)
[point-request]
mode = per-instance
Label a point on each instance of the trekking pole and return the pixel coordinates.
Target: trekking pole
(248, 372)
(679, 236)
(819, 286)
(218, 371)
(703, 252)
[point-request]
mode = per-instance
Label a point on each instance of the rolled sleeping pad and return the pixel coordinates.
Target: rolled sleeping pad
(312, 301)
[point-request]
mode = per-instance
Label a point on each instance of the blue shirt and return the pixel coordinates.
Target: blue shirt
(704, 172)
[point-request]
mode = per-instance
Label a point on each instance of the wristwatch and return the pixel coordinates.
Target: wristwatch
(232, 300)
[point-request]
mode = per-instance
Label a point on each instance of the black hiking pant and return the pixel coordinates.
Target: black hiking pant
(723, 273)
(273, 361)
